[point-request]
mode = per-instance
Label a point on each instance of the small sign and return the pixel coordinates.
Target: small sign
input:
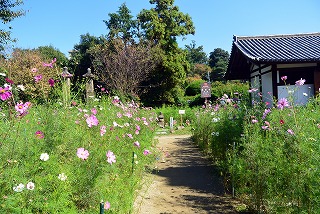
(182, 111)
(205, 90)
(171, 123)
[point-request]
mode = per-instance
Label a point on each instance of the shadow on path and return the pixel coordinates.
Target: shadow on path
(184, 169)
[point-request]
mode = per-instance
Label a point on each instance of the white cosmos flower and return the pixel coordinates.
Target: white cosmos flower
(44, 157)
(21, 87)
(62, 177)
(30, 186)
(18, 188)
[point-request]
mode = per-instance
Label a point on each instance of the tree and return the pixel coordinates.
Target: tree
(80, 59)
(196, 55)
(198, 60)
(49, 53)
(121, 25)
(218, 61)
(6, 16)
(123, 67)
(162, 25)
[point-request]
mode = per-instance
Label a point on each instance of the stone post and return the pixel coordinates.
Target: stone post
(89, 85)
(66, 97)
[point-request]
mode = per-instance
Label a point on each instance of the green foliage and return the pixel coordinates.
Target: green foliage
(218, 61)
(121, 25)
(162, 25)
(270, 156)
(196, 55)
(66, 183)
(230, 88)
(6, 16)
(49, 53)
(194, 88)
(80, 59)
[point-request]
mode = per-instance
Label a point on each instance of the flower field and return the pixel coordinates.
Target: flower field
(68, 160)
(269, 155)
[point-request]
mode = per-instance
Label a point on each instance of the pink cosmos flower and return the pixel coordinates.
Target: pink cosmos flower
(119, 115)
(137, 127)
(252, 90)
(106, 205)
(39, 134)
(38, 78)
(130, 136)
(137, 144)
(103, 130)
(283, 102)
(82, 153)
(94, 111)
(21, 107)
(51, 82)
(5, 93)
(284, 78)
(254, 121)
(290, 131)
(300, 81)
(137, 132)
(265, 127)
(92, 121)
(111, 158)
(146, 152)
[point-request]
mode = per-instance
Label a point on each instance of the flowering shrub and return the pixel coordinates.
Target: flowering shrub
(33, 76)
(268, 154)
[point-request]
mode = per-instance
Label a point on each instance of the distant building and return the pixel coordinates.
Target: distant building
(263, 60)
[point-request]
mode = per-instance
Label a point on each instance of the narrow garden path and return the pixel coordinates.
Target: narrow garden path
(183, 182)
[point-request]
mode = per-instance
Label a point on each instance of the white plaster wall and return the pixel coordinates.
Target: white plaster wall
(267, 95)
(299, 95)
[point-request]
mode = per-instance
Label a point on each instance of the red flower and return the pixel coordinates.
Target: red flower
(9, 81)
(281, 122)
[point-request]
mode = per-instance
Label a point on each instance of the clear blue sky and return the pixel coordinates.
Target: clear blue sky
(61, 22)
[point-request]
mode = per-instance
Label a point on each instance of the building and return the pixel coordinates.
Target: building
(263, 60)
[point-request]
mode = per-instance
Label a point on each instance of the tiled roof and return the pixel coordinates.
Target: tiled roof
(280, 48)
(292, 48)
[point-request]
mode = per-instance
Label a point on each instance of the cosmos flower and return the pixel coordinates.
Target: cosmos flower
(111, 158)
(44, 157)
(82, 153)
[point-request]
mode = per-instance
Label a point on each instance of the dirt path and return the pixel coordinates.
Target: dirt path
(183, 182)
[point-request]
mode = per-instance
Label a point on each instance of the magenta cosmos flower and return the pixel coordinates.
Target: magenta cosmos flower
(39, 134)
(51, 82)
(92, 121)
(111, 158)
(82, 153)
(5, 93)
(282, 103)
(284, 78)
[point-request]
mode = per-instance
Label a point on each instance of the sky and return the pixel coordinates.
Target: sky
(61, 22)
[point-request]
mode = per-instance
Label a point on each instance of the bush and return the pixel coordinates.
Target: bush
(194, 88)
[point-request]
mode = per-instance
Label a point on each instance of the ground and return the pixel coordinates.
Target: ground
(183, 181)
